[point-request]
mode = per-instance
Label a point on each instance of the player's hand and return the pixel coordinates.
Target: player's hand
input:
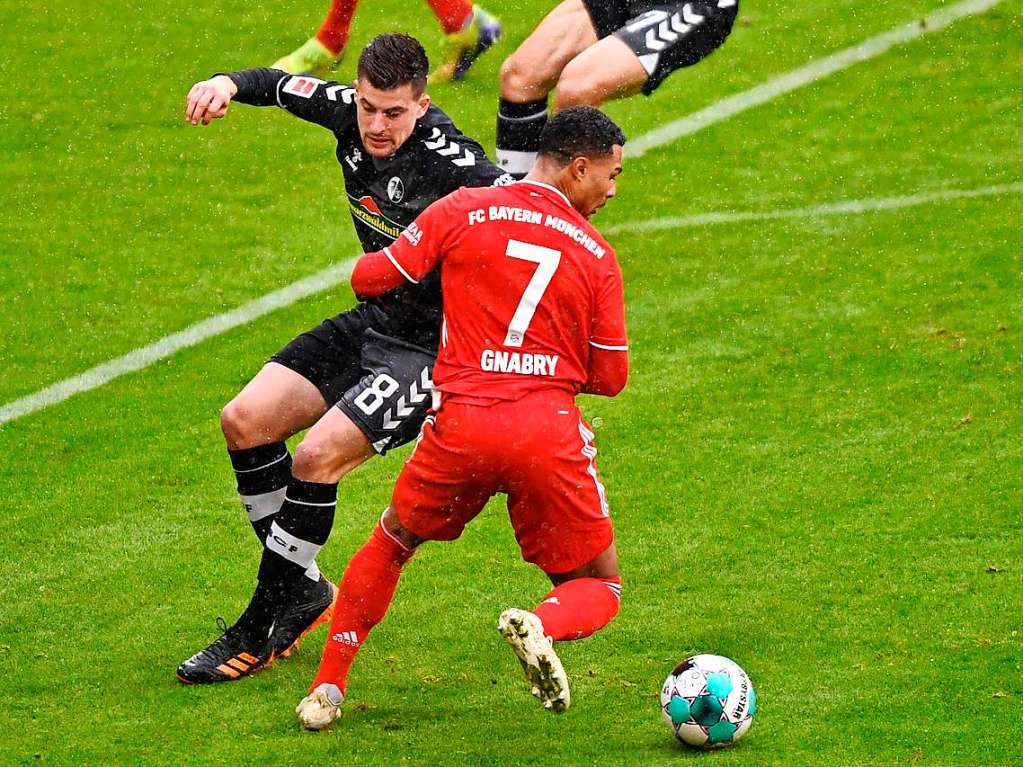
(209, 99)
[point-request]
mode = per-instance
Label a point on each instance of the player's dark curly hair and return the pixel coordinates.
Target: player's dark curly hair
(393, 60)
(579, 132)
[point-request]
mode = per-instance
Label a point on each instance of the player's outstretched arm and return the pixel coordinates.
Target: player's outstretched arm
(608, 368)
(375, 274)
(417, 251)
(209, 99)
(608, 371)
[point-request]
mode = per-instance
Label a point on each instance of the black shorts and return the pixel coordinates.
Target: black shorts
(664, 36)
(382, 383)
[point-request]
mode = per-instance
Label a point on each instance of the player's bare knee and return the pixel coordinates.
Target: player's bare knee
(238, 423)
(316, 460)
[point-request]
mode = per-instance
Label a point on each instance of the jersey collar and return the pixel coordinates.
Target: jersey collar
(554, 189)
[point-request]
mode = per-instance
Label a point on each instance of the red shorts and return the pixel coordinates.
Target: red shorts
(538, 450)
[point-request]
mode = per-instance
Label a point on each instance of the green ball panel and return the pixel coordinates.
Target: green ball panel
(752, 703)
(721, 732)
(678, 710)
(719, 684)
(706, 710)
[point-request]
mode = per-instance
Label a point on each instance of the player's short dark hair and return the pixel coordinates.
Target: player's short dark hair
(579, 132)
(393, 60)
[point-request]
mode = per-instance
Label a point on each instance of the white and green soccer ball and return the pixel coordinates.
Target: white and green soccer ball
(708, 701)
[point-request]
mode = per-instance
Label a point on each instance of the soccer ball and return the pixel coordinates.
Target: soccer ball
(708, 701)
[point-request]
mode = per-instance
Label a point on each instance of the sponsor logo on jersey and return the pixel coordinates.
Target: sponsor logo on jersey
(370, 204)
(367, 210)
(413, 234)
(353, 160)
(302, 86)
(395, 189)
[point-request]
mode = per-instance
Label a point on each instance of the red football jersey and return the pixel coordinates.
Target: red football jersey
(533, 295)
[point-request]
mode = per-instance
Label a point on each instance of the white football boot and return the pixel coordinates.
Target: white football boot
(320, 707)
(544, 672)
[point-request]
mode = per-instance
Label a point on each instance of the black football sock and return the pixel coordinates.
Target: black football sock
(518, 134)
(263, 473)
(298, 532)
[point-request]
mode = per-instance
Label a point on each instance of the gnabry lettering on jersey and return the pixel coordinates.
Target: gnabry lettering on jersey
(523, 363)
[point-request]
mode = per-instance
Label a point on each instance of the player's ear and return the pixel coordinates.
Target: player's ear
(423, 104)
(580, 167)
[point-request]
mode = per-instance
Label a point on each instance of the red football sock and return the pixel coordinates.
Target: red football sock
(453, 15)
(579, 607)
(364, 594)
(333, 32)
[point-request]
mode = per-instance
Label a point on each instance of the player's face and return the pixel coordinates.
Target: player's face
(387, 118)
(595, 177)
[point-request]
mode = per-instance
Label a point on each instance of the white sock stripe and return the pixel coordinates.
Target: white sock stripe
(263, 505)
(391, 535)
(527, 118)
(514, 161)
(264, 466)
(309, 503)
(291, 548)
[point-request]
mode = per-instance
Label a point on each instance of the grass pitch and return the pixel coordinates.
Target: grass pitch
(816, 469)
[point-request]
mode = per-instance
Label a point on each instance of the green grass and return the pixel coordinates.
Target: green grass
(816, 469)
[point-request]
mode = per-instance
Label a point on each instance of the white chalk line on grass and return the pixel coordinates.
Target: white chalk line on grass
(805, 75)
(195, 334)
(168, 345)
(844, 207)
(335, 275)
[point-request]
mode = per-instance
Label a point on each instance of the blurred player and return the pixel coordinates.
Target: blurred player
(533, 315)
(468, 32)
(360, 381)
(591, 51)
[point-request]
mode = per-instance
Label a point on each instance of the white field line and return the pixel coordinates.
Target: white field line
(797, 78)
(190, 336)
(168, 345)
(844, 207)
(335, 275)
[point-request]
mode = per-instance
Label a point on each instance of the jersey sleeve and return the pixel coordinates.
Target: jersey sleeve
(608, 368)
(318, 101)
(608, 328)
(418, 251)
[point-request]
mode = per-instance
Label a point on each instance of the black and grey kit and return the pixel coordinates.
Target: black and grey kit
(665, 36)
(374, 361)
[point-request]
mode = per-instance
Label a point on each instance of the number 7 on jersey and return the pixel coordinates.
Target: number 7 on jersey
(547, 260)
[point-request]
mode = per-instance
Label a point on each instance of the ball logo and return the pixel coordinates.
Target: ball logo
(395, 189)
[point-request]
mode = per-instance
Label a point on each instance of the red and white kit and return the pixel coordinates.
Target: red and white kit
(533, 314)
